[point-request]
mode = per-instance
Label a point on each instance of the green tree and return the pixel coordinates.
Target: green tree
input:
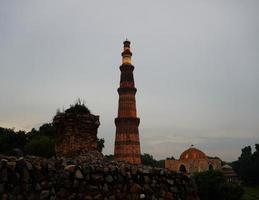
(255, 159)
(47, 130)
(246, 166)
(170, 158)
(100, 144)
(212, 185)
(149, 160)
(10, 140)
(41, 146)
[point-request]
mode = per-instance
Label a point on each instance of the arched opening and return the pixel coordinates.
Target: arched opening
(210, 167)
(182, 168)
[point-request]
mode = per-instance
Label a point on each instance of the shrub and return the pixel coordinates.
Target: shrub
(41, 146)
(212, 185)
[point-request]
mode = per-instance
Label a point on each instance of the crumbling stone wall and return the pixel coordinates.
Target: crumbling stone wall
(76, 133)
(89, 177)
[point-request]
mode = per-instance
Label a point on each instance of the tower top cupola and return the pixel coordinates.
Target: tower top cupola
(126, 43)
(126, 54)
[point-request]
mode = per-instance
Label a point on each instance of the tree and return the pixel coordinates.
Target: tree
(246, 166)
(41, 146)
(170, 158)
(149, 160)
(100, 144)
(10, 140)
(255, 159)
(212, 185)
(47, 129)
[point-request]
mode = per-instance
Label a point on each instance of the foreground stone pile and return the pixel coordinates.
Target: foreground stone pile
(88, 177)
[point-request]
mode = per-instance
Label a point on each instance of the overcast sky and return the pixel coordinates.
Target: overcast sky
(196, 68)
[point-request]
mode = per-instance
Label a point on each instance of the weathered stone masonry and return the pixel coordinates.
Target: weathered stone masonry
(88, 177)
(76, 133)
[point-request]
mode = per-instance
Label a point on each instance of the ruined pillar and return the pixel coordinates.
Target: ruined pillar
(76, 131)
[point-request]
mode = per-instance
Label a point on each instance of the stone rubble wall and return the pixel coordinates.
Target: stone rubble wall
(89, 177)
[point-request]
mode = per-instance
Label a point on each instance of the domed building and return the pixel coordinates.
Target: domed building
(193, 160)
(229, 173)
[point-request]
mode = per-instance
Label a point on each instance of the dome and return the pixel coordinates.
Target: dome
(192, 154)
(226, 166)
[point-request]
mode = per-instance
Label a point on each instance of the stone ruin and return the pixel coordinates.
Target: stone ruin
(89, 177)
(76, 131)
(80, 172)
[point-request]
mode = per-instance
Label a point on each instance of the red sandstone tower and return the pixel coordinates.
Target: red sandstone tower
(127, 147)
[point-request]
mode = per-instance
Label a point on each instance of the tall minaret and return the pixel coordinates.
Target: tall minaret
(127, 147)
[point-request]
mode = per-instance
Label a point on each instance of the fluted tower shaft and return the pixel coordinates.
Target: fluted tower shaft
(127, 146)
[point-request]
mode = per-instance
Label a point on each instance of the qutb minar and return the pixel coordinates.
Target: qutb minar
(127, 146)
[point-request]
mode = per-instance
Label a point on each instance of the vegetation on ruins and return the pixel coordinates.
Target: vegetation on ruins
(78, 107)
